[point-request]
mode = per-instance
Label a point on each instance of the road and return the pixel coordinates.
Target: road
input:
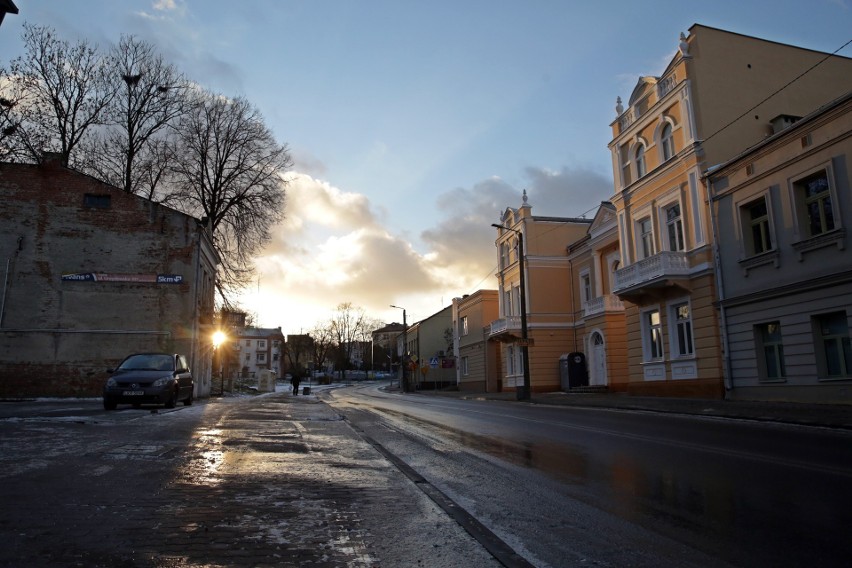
(361, 477)
(571, 486)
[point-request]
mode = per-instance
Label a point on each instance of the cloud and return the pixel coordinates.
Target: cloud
(463, 241)
(333, 248)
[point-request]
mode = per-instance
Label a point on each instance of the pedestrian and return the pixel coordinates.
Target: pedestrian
(295, 381)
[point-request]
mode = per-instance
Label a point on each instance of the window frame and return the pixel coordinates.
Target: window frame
(677, 339)
(748, 224)
(586, 292)
(800, 201)
(677, 224)
(667, 145)
(653, 342)
(645, 241)
(842, 340)
(624, 162)
(97, 201)
(762, 343)
(465, 366)
(639, 160)
(463, 326)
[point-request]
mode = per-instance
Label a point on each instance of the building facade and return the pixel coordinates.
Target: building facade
(477, 359)
(599, 336)
(546, 295)
(428, 348)
(717, 97)
(258, 349)
(782, 212)
(93, 274)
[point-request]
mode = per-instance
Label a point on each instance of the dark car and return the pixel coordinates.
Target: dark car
(149, 378)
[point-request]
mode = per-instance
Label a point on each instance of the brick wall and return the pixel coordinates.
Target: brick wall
(58, 336)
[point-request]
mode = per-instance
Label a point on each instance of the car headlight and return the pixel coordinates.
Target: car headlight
(162, 381)
(110, 382)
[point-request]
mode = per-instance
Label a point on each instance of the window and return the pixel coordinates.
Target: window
(95, 201)
(653, 333)
(624, 158)
(674, 225)
(586, 286)
(261, 357)
(510, 360)
(646, 237)
(640, 161)
(667, 142)
(770, 351)
(248, 342)
(248, 357)
(814, 195)
(261, 344)
(464, 366)
(832, 344)
(756, 223)
(683, 345)
(463, 330)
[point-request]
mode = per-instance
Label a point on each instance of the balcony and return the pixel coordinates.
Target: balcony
(506, 329)
(652, 274)
(602, 304)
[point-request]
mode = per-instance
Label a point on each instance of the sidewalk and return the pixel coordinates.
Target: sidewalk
(825, 415)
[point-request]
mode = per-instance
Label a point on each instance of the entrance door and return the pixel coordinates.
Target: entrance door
(598, 360)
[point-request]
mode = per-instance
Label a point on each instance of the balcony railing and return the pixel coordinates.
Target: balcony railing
(504, 325)
(602, 304)
(665, 86)
(662, 265)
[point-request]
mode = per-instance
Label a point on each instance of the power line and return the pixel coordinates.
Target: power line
(811, 68)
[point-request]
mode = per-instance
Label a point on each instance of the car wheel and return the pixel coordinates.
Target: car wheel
(172, 402)
(188, 399)
(109, 404)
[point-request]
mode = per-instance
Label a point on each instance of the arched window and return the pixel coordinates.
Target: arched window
(640, 161)
(667, 142)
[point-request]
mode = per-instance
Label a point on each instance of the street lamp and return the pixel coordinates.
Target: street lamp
(404, 346)
(524, 392)
(219, 338)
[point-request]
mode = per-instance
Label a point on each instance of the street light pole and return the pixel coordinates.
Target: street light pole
(523, 393)
(404, 345)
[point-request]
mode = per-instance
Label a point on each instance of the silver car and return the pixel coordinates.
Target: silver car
(149, 378)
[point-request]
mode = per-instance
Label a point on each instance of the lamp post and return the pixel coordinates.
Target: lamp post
(404, 346)
(523, 393)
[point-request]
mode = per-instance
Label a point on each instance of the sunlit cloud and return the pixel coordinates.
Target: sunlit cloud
(331, 247)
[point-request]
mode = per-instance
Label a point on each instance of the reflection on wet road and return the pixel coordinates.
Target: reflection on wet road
(742, 493)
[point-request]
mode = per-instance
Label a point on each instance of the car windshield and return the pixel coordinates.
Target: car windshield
(148, 362)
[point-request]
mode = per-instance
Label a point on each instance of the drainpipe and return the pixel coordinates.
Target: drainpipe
(573, 311)
(720, 287)
(5, 285)
(6, 277)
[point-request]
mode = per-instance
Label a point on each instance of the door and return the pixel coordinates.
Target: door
(598, 360)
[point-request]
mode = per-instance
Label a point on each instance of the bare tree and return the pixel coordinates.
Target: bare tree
(228, 168)
(298, 350)
(323, 344)
(11, 95)
(350, 327)
(65, 90)
(131, 150)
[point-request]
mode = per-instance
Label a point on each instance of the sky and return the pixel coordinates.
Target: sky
(414, 123)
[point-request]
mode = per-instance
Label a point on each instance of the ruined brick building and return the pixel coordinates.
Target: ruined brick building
(90, 274)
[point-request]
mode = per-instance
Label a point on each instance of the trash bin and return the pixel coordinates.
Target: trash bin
(306, 390)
